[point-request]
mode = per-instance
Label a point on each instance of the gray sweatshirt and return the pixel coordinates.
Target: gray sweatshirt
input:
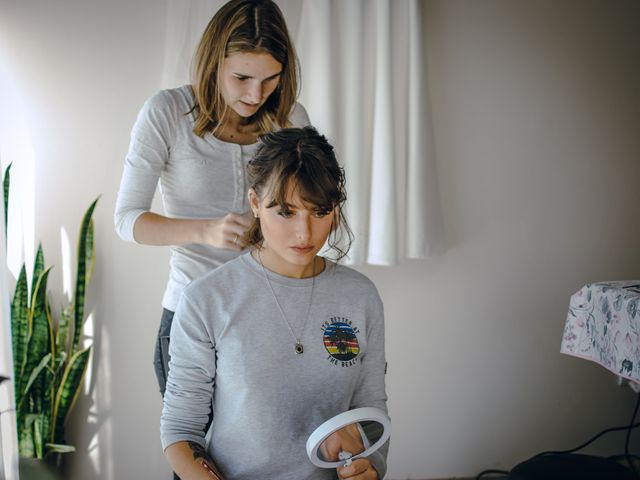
(199, 178)
(232, 351)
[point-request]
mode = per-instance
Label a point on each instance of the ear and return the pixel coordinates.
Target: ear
(254, 201)
(336, 219)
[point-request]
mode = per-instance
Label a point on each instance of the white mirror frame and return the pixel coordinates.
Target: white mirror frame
(334, 424)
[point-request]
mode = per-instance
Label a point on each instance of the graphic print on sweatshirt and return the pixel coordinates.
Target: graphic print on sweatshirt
(340, 339)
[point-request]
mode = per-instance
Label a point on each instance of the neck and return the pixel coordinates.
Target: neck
(292, 271)
(235, 121)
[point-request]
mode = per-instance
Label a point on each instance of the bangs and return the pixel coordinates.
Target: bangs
(317, 188)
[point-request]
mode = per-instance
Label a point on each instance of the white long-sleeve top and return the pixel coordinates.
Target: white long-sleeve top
(199, 177)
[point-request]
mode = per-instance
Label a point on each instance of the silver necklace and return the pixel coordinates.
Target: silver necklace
(299, 348)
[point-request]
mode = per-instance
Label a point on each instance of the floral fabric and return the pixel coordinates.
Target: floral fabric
(603, 325)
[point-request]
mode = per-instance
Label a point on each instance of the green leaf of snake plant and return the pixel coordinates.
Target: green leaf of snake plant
(68, 392)
(35, 372)
(6, 181)
(37, 436)
(62, 334)
(40, 341)
(26, 445)
(20, 331)
(38, 268)
(59, 448)
(83, 271)
(90, 254)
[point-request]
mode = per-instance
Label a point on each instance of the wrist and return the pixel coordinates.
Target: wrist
(212, 472)
(207, 230)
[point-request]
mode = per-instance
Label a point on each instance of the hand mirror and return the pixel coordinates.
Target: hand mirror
(353, 434)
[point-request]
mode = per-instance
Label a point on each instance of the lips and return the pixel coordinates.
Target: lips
(249, 105)
(303, 249)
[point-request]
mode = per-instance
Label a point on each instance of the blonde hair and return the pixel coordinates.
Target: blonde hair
(242, 26)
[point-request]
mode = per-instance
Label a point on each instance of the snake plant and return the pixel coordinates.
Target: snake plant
(49, 361)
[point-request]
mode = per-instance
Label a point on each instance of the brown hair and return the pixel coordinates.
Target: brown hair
(255, 26)
(304, 158)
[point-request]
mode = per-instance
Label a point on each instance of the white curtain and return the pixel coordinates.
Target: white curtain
(364, 85)
(186, 20)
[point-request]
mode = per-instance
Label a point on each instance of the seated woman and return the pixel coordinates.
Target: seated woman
(280, 339)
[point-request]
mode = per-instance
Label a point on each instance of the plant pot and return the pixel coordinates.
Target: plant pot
(37, 469)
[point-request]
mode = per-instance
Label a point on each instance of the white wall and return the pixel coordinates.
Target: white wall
(84, 69)
(536, 116)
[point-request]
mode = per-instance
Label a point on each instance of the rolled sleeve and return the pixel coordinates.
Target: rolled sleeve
(148, 154)
(134, 199)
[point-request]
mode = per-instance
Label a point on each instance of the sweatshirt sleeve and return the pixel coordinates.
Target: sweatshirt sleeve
(148, 153)
(371, 391)
(192, 367)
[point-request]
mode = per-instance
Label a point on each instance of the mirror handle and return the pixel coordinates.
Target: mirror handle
(346, 456)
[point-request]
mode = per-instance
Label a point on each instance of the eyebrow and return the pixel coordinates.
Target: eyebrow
(289, 206)
(238, 74)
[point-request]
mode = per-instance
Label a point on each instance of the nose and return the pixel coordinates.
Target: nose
(303, 228)
(254, 93)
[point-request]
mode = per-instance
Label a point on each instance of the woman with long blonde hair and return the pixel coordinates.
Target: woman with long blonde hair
(195, 140)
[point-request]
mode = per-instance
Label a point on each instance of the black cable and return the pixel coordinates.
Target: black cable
(492, 472)
(628, 429)
(559, 452)
(626, 441)
(589, 442)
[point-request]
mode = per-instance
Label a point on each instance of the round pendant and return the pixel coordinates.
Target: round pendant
(299, 349)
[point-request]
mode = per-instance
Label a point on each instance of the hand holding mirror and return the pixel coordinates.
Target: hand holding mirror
(350, 435)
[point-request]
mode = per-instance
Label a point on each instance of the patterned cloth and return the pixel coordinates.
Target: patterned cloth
(603, 325)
